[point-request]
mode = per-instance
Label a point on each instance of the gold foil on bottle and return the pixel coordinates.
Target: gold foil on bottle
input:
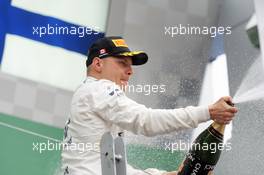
(219, 127)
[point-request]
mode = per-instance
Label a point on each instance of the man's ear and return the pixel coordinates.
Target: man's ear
(97, 64)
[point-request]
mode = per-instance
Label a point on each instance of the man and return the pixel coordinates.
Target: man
(100, 105)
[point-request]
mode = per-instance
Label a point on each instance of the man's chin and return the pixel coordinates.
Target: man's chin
(123, 86)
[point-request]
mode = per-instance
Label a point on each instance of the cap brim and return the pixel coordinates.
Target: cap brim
(138, 57)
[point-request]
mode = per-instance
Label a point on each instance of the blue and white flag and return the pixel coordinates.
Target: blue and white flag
(47, 40)
(215, 83)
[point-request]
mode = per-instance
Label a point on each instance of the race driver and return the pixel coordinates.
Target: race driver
(100, 105)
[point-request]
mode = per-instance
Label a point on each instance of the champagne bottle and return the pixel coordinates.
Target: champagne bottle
(205, 152)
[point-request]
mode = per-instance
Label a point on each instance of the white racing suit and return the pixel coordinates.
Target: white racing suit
(99, 106)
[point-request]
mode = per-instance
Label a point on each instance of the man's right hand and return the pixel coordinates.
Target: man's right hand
(221, 112)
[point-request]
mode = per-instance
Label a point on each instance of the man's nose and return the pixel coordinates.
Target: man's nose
(130, 71)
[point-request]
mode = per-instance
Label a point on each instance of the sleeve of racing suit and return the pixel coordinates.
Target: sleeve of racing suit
(112, 105)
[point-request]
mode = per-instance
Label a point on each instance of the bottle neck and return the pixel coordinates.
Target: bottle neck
(219, 127)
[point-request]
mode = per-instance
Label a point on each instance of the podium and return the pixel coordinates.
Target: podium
(113, 154)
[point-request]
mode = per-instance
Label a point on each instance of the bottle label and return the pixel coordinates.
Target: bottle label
(193, 166)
